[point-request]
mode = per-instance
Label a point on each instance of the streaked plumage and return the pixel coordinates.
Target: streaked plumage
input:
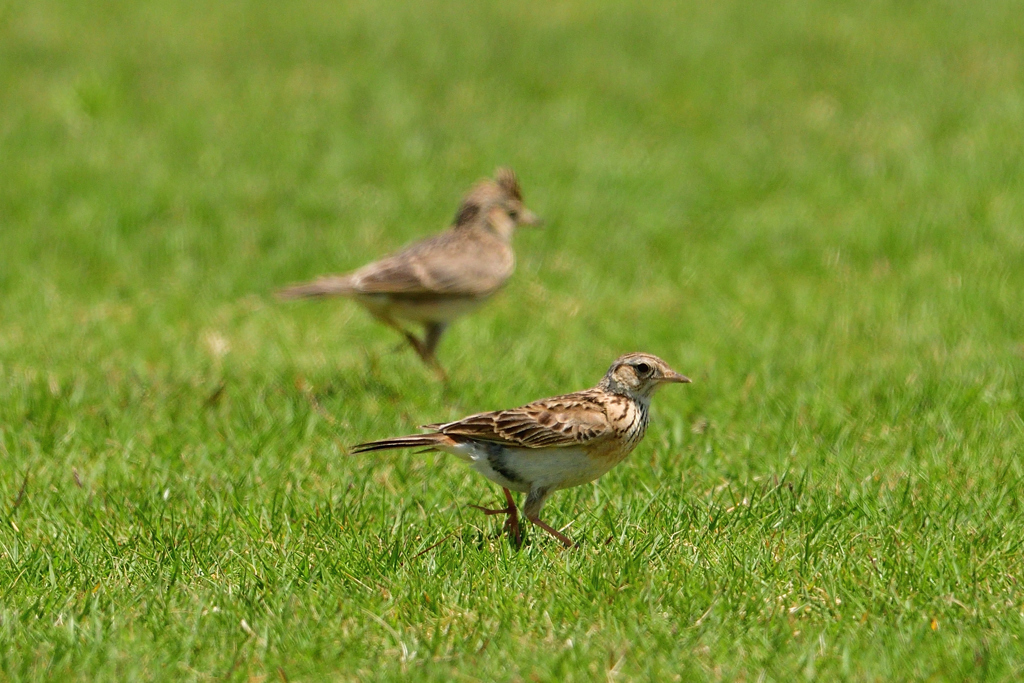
(554, 443)
(433, 281)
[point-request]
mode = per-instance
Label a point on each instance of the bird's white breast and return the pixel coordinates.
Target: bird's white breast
(521, 469)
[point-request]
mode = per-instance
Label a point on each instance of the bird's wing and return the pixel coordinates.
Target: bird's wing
(570, 420)
(450, 264)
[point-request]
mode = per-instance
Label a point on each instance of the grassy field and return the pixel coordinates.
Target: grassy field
(816, 210)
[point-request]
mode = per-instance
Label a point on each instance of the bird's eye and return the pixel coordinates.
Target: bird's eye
(643, 368)
(513, 214)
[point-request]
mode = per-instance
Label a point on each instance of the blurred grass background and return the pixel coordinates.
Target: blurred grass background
(812, 208)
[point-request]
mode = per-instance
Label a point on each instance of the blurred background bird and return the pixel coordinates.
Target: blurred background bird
(435, 280)
(554, 443)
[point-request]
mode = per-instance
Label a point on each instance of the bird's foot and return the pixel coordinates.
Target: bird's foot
(511, 527)
(426, 354)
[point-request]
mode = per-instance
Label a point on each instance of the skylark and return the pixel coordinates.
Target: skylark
(554, 443)
(435, 280)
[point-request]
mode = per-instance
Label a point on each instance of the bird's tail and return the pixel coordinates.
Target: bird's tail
(325, 286)
(427, 441)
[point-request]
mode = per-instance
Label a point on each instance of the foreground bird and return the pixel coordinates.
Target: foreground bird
(554, 443)
(435, 280)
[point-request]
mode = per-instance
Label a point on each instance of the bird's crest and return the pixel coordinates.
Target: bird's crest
(507, 181)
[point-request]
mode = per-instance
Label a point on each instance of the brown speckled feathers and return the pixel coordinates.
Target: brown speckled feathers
(572, 419)
(554, 443)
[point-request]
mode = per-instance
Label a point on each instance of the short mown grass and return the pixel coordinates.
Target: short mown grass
(816, 210)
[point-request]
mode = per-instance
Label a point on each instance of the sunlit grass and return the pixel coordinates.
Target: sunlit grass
(814, 210)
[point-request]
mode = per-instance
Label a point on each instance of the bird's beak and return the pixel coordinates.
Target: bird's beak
(675, 378)
(527, 217)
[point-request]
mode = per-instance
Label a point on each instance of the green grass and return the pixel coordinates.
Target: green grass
(816, 210)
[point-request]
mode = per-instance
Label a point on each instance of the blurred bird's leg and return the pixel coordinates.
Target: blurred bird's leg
(425, 348)
(512, 523)
(426, 356)
(432, 335)
(418, 346)
(534, 502)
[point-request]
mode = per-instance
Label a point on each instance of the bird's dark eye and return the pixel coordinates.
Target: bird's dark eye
(643, 368)
(513, 214)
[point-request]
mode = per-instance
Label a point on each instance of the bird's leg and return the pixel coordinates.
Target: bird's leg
(566, 541)
(424, 348)
(431, 336)
(415, 343)
(534, 502)
(409, 337)
(512, 523)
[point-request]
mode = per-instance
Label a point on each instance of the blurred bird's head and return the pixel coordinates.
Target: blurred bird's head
(496, 205)
(638, 375)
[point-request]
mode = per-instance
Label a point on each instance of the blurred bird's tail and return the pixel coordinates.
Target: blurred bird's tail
(427, 441)
(325, 286)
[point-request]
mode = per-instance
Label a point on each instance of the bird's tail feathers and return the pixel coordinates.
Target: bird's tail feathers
(325, 286)
(426, 441)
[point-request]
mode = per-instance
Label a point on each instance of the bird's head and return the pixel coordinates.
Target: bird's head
(496, 205)
(638, 375)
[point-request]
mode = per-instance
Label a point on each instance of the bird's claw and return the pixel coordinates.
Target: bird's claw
(511, 524)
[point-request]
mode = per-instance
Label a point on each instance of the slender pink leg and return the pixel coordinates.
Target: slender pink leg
(534, 502)
(512, 523)
(566, 541)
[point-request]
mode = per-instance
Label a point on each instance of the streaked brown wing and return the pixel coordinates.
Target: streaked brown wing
(447, 264)
(569, 420)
